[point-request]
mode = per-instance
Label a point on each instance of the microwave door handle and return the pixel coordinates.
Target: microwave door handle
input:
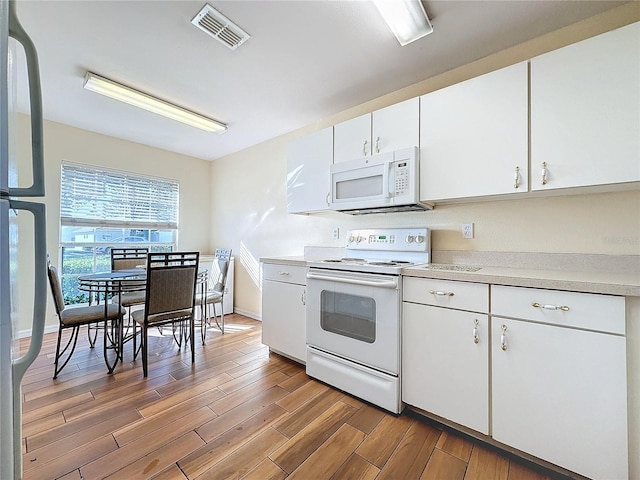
(35, 102)
(385, 178)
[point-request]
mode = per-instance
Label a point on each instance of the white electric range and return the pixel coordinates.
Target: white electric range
(354, 308)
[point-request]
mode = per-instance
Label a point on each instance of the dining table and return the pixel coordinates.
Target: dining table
(101, 287)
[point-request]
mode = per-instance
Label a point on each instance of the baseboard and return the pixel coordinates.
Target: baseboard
(253, 315)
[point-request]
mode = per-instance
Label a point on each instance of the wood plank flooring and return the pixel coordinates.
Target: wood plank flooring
(238, 413)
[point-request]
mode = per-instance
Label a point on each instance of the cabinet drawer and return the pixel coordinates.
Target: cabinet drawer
(285, 273)
(446, 293)
(605, 313)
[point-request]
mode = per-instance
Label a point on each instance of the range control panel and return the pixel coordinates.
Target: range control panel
(390, 239)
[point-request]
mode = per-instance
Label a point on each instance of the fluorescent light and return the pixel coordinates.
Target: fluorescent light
(125, 94)
(406, 18)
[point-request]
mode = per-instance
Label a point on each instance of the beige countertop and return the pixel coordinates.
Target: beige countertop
(299, 260)
(610, 283)
(627, 284)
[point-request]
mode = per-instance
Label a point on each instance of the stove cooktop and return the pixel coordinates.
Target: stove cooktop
(381, 251)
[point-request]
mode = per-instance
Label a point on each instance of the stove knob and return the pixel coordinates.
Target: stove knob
(410, 238)
(352, 239)
(419, 238)
(359, 239)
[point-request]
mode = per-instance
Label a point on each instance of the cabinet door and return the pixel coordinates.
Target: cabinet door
(352, 139)
(396, 126)
(560, 394)
(308, 182)
(444, 370)
(473, 137)
(585, 112)
(284, 318)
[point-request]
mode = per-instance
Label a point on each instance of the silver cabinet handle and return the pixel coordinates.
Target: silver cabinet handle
(284, 273)
(544, 173)
(378, 145)
(440, 293)
(364, 147)
(328, 198)
(476, 338)
(503, 338)
(303, 297)
(35, 100)
(564, 308)
(516, 178)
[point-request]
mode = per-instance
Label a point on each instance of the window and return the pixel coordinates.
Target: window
(101, 208)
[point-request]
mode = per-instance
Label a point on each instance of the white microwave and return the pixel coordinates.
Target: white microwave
(387, 182)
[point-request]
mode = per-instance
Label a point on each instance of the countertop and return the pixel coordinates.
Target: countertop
(601, 282)
(626, 284)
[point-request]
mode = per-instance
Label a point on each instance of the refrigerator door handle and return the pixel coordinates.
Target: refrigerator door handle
(21, 364)
(35, 100)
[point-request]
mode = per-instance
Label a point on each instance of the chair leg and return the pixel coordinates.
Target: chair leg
(144, 341)
(193, 339)
(73, 338)
(92, 341)
(204, 312)
(215, 317)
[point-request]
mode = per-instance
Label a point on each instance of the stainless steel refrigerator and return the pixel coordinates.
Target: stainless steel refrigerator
(16, 207)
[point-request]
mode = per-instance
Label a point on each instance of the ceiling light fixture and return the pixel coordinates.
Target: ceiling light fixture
(125, 94)
(406, 18)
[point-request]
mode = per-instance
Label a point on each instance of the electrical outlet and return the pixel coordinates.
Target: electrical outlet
(335, 233)
(467, 230)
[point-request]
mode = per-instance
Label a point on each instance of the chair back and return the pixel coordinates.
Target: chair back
(128, 258)
(56, 288)
(171, 283)
(219, 270)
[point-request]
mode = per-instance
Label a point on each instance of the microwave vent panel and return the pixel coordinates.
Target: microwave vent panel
(215, 24)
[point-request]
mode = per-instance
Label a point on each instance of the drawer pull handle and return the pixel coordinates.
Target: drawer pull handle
(283, 273)
(476, 338)
(564, 308)
(364, 148)
(440, 293)
(516, 178)
(503, 338)
(544, 173)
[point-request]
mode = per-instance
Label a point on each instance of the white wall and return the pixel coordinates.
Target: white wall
(64, 143)
(249, 194)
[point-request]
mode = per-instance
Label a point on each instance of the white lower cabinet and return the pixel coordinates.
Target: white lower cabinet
(445, 352)
(284, 310)
(559, 393)
(545, 372)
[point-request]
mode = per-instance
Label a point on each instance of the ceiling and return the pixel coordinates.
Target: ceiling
(305, 60)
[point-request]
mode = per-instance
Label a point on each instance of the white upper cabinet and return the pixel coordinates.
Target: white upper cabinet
(308, 161)
(473, 137)
(384, 130)
(585, 112)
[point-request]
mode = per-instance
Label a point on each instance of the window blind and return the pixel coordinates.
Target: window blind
(101, 197)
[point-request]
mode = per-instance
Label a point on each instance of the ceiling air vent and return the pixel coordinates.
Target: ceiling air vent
(213, 23)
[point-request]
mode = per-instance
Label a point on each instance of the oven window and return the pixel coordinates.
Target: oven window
(348, 315)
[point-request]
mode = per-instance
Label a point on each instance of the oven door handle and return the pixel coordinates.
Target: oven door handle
(354, 281)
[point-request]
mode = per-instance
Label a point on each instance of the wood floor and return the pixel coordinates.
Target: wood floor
(239, 412)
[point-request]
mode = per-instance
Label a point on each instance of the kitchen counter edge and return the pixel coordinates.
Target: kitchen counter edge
(627, 285)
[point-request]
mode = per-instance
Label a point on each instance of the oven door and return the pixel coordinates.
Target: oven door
(355, 316)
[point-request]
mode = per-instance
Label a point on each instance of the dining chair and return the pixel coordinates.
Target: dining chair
(75, 317)
(127, 259)
(170, 297)
(215, 291)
